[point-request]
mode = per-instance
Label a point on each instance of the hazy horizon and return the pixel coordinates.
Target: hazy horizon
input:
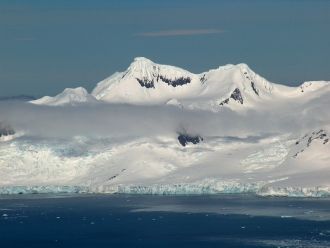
(48, 46)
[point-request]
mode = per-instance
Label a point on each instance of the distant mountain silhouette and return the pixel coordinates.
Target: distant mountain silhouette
(23, 98)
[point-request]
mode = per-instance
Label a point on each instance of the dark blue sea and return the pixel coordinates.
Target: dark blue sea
(163, 221)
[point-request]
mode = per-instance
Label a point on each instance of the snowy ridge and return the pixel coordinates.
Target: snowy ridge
(313, 85)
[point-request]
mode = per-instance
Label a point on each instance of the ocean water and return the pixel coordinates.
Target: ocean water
(163, 221)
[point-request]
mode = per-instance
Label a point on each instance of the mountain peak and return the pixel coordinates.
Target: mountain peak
(146, 70)
(76, 91)
(142, 60)
(141, 65)
(144, 64)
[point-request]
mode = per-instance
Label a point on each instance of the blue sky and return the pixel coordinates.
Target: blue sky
(46, 46)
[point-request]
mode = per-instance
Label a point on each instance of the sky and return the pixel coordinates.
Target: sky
(46, 46)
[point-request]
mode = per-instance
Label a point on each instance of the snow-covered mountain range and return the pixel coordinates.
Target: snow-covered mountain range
(161, 129)
(145, 82)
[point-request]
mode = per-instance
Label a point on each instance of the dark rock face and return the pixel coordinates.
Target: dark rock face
(175, 82)
(203, 79)
(236, 95)
(254, 88)
(116, 175)
(184, 139)
(5, 130)
(146, 83)
(224, 102)
(319, 135)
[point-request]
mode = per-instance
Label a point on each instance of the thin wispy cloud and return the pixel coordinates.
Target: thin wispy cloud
(181, 32)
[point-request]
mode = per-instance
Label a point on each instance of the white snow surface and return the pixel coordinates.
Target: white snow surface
(257, 137)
